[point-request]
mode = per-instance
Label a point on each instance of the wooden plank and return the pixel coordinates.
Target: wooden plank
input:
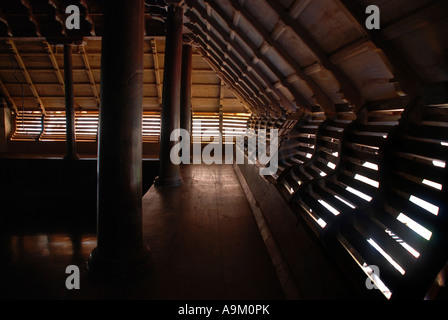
(26, 74)
(88, 70)
(348, 89)
(320, 95)
(300, 99)
(8, 97)
(55, 65)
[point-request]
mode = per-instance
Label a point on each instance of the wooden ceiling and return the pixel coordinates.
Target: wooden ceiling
(276, 56)
(32, 77)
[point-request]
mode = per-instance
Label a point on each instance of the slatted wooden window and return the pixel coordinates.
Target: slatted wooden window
(298, 148)
(28, 126)
(357, 180)
(405, 234)
(151, 126)
(54, 126)
(86, 125)
(205, 127)
(51, 127)
(234, 125)
(324, 159)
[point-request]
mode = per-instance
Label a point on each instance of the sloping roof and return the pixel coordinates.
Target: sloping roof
(44, 66)
(276, 56)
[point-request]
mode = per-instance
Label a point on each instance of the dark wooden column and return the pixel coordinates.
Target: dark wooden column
(169, 175)
(120, 248)
(185, 95)
(69, 105)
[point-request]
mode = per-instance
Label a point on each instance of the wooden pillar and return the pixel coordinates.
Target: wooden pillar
(120, 249)
(185, 96)
(69, 105)
(169, 175)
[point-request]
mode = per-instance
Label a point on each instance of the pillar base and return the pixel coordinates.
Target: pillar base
(103, 268)
(168, 182)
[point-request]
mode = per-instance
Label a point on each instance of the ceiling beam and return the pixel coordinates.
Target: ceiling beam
(249, 64)
(88, 70)
(270, 44)
(27, 76)
(253, 107)
(286, 82)
(55, 65)
(250, 88)
(229, 56)
(249, 97)
(8, 96)
(157, 74)
(31, 16)
(348, 89)
(404, 74)
(234, 89)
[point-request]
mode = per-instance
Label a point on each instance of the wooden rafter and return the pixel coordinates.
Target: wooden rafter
(85, 59)
(235, 76)
(403, 72)
(349, 90)
(300, 100)
(5, 21)
(233, 62)
(31, 16)
(298, 6)
(269, 43)
(8, 96)
(158, 76)
(26, 74)
(239, 92)
(55, 65)
(248, 65)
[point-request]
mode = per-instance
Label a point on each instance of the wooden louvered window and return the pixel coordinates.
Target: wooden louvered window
(151, 126)
(205, 127)
(32, 125)
(54, 126)
(28, 126)
(234, 125)
(86, 125)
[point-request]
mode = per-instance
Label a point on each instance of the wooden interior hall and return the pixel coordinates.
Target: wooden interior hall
(349, 98)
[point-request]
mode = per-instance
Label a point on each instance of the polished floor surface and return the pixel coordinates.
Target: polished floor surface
(204, 243)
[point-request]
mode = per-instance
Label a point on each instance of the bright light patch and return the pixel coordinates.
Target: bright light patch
(443, 143)
(309, 155)
(331, 165)
(386, 255)
(321, 223)
(336, 154)
(345, 202)
(414, 226)
(411, 250)
(359, 194)
(425, 205)
(437, 163)
(376, 279)
(433, 184)
(329, 208)
(322, 174)
(369, 181)
(370, 165)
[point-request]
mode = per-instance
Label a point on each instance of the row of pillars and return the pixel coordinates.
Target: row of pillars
(120, 246)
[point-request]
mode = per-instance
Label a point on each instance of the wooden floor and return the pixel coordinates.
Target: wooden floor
(204, 243)
(204, 239)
